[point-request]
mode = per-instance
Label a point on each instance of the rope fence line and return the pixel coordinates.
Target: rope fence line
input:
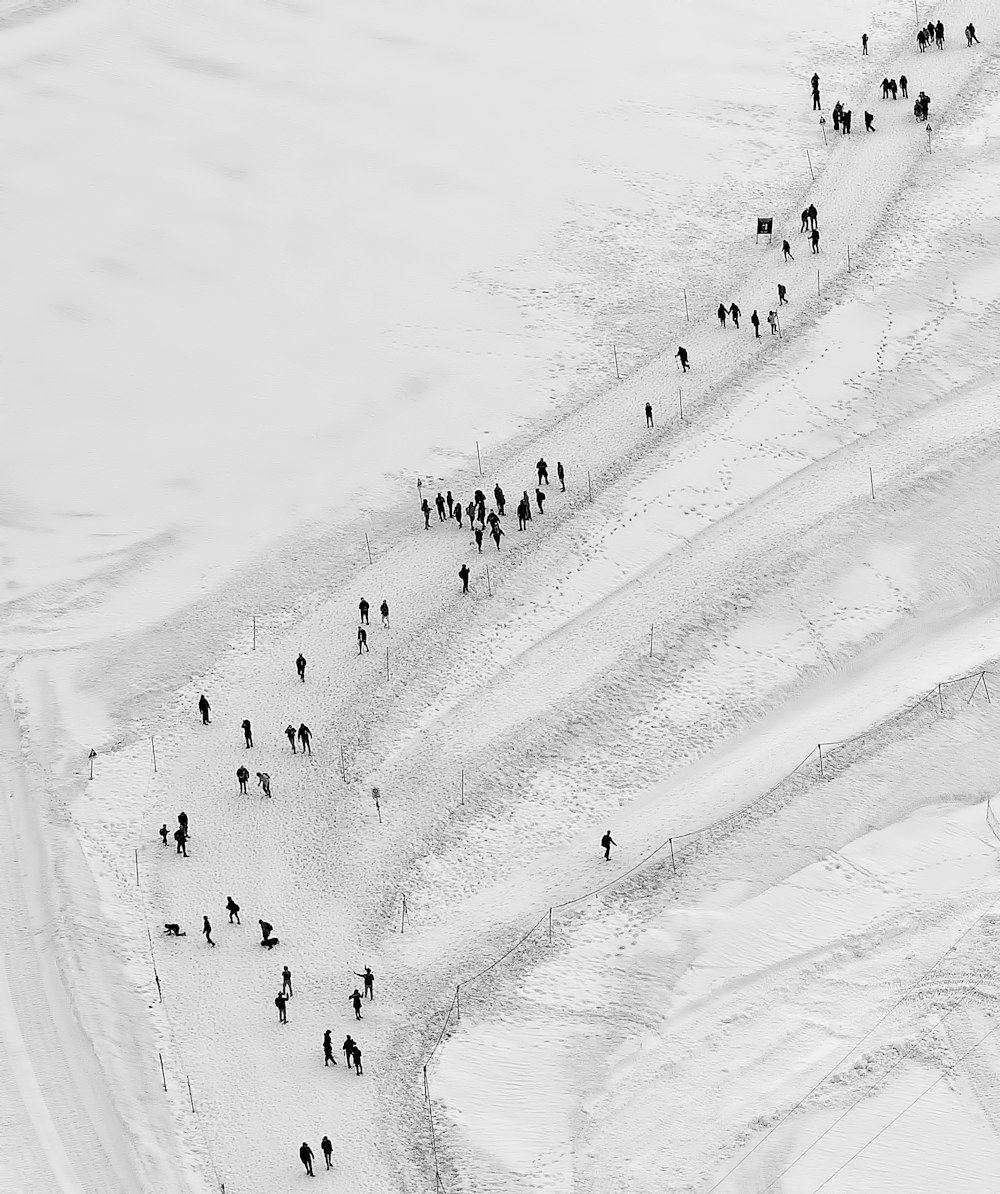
(979, 675)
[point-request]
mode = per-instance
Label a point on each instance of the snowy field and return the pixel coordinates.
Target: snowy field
(267, 264)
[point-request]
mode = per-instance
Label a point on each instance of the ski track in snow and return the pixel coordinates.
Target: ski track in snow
(786, 607)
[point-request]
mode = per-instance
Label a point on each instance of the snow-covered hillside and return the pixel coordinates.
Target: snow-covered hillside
(273, 263)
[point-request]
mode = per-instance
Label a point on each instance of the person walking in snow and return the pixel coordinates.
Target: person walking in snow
(451, 502)
(355, 999)
(970, 35)
(939, 34)
(290, 735)
(265, 931)
(348, 1047)
(561, 476)
(805, 220)
(649, 414)
(363, 608)
(305, 739)
(540, 500)
(922, 40)
(463, 573)
(478, 536)
(306, 1154)
(682, 355)
(247, 732)
(164, 832)
(383, 609)
(543, 471)
(786, 249)
(903, 84)
(869, 126)
(755, 320)
(496, 533)
(470, 511)
(204, 708)
(265, 782)
(522, 520)
(735, 314)
(845, 123)
(606, 843)
(458, 514)
(813, 215)
(243, 776)
(182, 821)
(328, 1049)
(815, 92)
(426, 511)
(527, 504)
(362, 640)
(206, 928)
(864, 45)
(885, 88)
(233, 909)
(439, 502)
(814, 240)
(772, 319)
(893, 88)
(327, 1148)
(722, 313)
(286, 982)
(180, 837)
(369, 982)
(300, 667)
(838, 112)
(782, 294)
(356, 1059)
(499, 498)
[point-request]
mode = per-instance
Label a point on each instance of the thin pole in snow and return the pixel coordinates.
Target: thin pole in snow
(404, 916)
(822, 125)
(137, 868)
(810, 161)
(152, 743)
(650, 642)
(986, 690)
(871, 478)
(255, 634)
(819, 747)
(489, 590)
(190, 1095)
(916, 14)
(929, 138)
(463, 787)
(387, 665)
(163, 1072)
(550, 926)
(479, 458)
(673, 861)
(687, 313)
(458, 1002)
(590, 495)
(940, 699)
(369, 546)
(817, 281)
(848, 258)
(680, 403)
(343, 765)
(614, 349)
(93, 755)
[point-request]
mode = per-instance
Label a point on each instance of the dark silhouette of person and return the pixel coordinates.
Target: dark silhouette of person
(355, 999)
(242, 775)
(497, 532)
(439, 502)
(363, 607)
(206, 928)
(362, 640)
(327, 1148)
(163, 832)
(845, 123)
(233, 909)
(478, 533)
(869, 126)
(814, 240)
(369, 982)
(782, 294)
(540, 500)
(838, 114)
(356, 1059)
(305, 738)
(180, 837)
(864, 45)
(805, 220)
(970, 35)
(247, 732)
(922, 40)
(182, 820)
(265, 782)
(204, 708)
(813, 215)
(173, 930)
(786, 248)
(305, 1152)
(383, 609)
(893, 88)
(606, 843)
(735, 314)
(458, 514)
(543, 471)
(939, 34)
(722, 313)
(885, 88)
(470, 511)
(561, 476)
(290, 735)
(451, 502)
(265, 930)
(903, 86)
(930, 31)
(501, 501)
(286, 982)
(755, 320)
(772, 320)
(328, 1049)
(682, 355)
(463, 572)
(300, 667)
(425, 507)
(521, 518)
(348, 1047)
(649, 414)
(815, 92)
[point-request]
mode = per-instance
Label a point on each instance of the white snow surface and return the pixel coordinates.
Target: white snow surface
(267, 264)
